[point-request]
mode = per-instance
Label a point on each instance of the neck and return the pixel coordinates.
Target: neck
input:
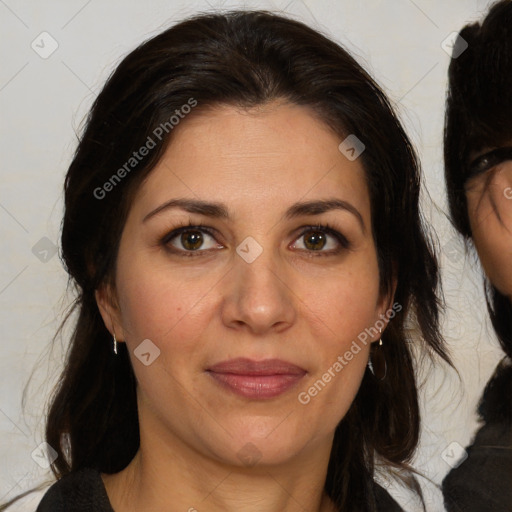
(166, 474)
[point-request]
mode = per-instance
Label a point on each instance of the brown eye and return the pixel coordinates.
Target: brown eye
(191, 240)
(323, 240)
(315, 241)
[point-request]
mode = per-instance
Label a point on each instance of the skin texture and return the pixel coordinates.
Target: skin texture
(290, 303)
(489, 199)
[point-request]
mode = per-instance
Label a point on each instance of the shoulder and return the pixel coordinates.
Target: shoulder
(483, 478)
(495, 405)
(384, 501)
(82, 489)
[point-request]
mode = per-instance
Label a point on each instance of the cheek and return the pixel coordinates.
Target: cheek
(162, 305)
(493, 242)
(495, 253)
(348, 304)
(344, 318)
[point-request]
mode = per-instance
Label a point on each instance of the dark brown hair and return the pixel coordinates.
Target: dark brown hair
(246, 59)
(479, 116)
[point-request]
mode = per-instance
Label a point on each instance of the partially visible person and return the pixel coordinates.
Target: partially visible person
(478, 171)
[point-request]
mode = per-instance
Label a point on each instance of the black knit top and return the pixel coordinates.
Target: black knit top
(84, 491)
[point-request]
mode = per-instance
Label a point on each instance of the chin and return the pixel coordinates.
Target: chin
(262, 444)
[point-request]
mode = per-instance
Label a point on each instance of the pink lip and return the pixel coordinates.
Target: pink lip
(257, 379)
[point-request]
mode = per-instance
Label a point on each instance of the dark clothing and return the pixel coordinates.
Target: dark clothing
(483, 482)
(84, 491)
(385, 502)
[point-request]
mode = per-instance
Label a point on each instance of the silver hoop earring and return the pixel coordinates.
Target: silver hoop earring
(115, 344)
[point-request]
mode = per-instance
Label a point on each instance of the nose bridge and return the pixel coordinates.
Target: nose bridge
(258, 269)
(260, 296)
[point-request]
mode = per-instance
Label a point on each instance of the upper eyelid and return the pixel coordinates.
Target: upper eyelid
(485, 178)
(173, 233)
(488, 161)
(487, 171)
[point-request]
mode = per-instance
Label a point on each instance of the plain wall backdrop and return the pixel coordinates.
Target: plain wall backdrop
(56, 56)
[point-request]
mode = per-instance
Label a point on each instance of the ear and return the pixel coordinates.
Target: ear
(109, 310)
(386, 310)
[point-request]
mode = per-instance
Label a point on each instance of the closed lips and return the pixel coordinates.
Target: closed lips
(256, 380)
(243, 366)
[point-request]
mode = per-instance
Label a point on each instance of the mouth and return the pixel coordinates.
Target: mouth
(256, 379)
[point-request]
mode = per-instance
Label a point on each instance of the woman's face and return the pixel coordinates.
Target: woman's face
(254, 284)
(489, 199)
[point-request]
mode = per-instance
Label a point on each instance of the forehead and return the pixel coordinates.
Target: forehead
(261, 157)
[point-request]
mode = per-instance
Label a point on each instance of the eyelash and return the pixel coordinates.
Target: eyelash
(323, 228)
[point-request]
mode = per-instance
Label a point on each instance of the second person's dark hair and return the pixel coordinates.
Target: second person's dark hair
(479, 116)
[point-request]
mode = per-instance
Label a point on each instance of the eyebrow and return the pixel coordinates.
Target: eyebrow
(220, 211)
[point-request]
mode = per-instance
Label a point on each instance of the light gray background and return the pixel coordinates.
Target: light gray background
(43, 102)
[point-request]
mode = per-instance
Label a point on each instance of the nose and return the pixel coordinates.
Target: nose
(259, 297)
